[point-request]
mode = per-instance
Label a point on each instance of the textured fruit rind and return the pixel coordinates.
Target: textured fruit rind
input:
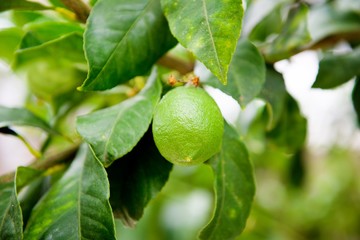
(187, 126)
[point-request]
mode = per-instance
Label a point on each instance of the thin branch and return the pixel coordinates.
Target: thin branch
(181, 66)
(52, 160)
(325, 43)
(334, 39)
(43, 164)
(81, 9)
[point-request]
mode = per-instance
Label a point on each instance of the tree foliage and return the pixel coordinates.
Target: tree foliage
(95, 74)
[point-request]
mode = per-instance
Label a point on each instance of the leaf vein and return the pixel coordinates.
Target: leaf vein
(211, 36)
(142, 13)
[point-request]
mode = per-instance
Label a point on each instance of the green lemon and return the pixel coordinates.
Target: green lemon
(187, 126)
(48, 78)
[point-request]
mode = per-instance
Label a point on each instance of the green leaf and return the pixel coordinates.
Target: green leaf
(112, 132)
(136, 179)
(200, 27)
(11, 215)
(24, 175)
(21, 5)
(67, 48)
(9, 37)
(77, 206)
(335, 69)
(270, 25)
(246, 74)
(273, 93)
(58, 3)
(54, 60)
(124, 40)
(326, 20)
(38, 33)
(21, 117)
(51, 80)
(30, 188)
(293, 37)
(22, 18)
(356, 98)
(259, 15)
(234, 189)
(297, 169)
(290, 131)
(92, 2)
(10, 212)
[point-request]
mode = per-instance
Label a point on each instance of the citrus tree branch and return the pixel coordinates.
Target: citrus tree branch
(179, 65)
(81, 9)
(325, 43)
(334, 39)
(45, 163)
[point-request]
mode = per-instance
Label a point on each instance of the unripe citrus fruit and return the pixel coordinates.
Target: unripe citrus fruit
(187, 126)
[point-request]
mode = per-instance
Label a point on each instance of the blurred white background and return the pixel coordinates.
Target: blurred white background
(12, 94)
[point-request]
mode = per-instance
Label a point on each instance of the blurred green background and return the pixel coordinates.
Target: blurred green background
(304, 196)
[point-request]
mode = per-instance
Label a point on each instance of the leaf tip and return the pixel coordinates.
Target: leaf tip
(80, 88)
(316, 84)
(84, 88)
(223, 80)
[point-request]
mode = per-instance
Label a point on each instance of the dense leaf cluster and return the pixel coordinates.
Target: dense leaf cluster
(104, 164)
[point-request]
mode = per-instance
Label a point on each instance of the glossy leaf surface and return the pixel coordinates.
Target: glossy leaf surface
(208, 28)
(234, 189)
(137, 178)
(335, 69)
(10, 212)
(246, 74)
(21, 117)
(11, 220)
(77, 206)
(124, 39)
(112, 132)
